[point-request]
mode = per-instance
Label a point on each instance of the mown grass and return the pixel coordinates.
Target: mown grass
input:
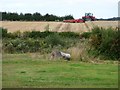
(27, 70)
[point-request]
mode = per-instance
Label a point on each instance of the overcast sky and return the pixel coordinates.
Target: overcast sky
(77, 8)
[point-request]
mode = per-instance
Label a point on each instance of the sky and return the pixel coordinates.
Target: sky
(77, 8)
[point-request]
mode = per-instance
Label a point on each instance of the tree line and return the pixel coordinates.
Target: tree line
(33, 17)
(110, 19)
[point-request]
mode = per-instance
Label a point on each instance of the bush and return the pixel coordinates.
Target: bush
(69, 34)
(38, 34)
(37, 41)
(54, 40)
(106, 42)
(3, 32)
(85, 35)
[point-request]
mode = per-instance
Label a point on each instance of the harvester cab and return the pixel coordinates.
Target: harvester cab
(88, 17)
(88, 14)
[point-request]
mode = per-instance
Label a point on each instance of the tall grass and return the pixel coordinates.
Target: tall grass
(79, 51)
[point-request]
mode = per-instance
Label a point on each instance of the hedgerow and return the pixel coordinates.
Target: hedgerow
(106, 42)
(37, 41)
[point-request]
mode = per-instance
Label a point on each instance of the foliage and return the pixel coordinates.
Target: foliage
(19, 45)
(37, 41)
(54, 40)
(33, 17)
(85, 35)
(37, 34)
(3, 32)
(69, 34)
(106, 42)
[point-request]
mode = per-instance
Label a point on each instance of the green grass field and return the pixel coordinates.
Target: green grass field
(24, 70)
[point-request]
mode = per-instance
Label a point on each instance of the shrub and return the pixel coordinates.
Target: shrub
(25, 34)
(17, 34)
(54, 40)
(3, 32)
(14, 35)
(44, 45)
(8, 46)
(37, 41)
(106, 42)
(69, 34)
(38, 34)
(85, 35)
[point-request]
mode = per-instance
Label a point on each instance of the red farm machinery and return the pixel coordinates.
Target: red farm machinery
(87, 17)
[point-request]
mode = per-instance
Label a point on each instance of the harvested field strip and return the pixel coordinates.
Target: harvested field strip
(13, 26)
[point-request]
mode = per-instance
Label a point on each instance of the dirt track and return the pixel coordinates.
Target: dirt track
(13, 26)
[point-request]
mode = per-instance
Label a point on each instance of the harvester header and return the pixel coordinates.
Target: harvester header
(87, 17)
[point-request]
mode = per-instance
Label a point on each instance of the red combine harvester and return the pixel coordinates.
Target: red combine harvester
(87, 17)
(74, 21)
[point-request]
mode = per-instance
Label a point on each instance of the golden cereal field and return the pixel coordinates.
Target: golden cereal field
(13, 26)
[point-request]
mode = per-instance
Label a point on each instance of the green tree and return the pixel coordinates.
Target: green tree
(37, 16)
(28, 17)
